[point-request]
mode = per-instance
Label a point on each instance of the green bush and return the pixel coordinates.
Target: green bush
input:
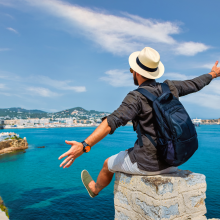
(13, 138)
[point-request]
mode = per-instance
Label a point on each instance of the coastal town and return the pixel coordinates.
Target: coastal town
(76, 117)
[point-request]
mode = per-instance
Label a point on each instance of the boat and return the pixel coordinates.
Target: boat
(196, 122)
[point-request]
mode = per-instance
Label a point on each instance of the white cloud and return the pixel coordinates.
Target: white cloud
(59, 84)
(4, 49)
(117, 34)
(118, 78)
(208, 97)
(2, 86)
(5, 94)
(177, 76)
(9, 16)
(204, 100)
(7, 3)
(121, 78)
(213, 88)
(44, 92)
(12, 30)
(206, 65)
(34, 85)
(191, 48)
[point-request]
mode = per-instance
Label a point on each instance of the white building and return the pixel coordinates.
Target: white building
(5, 135)
(44, 120)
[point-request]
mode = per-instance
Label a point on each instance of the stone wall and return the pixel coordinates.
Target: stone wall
(179, 196)
(9, 146)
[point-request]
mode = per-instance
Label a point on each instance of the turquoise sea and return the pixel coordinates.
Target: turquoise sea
(34, 187)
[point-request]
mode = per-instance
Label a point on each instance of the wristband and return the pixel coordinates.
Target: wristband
(86, 147)
(215, 73)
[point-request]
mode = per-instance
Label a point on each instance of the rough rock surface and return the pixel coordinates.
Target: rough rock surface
(3, 210)
(3, 215)
(180, 196)
(9, 146)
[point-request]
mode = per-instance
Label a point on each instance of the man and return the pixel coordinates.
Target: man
(146, 67)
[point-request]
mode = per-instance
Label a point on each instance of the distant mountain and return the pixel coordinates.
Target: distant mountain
(24, 113)
(21, 112)
(79, 112)
(80, 109)
(72, 109)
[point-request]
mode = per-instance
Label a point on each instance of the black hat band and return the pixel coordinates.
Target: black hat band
(145, 67)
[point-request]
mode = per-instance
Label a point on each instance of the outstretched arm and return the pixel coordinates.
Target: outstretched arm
(127, 111)
(76, 149)
(194, 85)
(100, 132)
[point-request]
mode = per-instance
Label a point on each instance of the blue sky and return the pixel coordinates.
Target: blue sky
(57, 54)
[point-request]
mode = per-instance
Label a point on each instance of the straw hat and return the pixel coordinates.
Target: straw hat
(147, 63)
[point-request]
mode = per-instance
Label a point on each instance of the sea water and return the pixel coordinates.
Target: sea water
(34, 187)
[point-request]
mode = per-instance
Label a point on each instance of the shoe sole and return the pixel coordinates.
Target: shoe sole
(85, 185)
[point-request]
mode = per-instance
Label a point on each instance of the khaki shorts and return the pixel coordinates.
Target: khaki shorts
(121, 162)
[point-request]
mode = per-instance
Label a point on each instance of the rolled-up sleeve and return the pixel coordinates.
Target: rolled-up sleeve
(128, 110)
(194, 85)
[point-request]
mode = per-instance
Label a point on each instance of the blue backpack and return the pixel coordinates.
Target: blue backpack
(176, 135)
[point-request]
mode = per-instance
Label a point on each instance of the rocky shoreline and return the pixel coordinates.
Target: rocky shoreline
(11, 145)
(3, 211)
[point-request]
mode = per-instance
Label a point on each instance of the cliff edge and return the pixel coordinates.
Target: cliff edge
(3, 211)
(11, 145)
(178, 196)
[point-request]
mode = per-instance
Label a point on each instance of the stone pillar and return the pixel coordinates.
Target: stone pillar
(178, 196)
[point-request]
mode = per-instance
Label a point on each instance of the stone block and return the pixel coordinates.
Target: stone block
(195, 201)
(199, 218)
(179, 196)
(123, 214)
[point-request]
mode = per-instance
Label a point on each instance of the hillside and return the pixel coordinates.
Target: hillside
(22, 113)
(81, 113)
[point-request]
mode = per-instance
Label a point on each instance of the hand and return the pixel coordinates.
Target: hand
(75, 151)
(216, 70)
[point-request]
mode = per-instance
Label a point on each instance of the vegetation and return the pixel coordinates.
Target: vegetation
(3, 208)
(13, 138)
(21, 113)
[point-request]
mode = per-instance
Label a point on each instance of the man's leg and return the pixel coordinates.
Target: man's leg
(104, 178)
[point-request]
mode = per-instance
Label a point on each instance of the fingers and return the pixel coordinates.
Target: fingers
(70, 142)
(68, 159)
(67, 153)
(64, 155)
(69, 163)
(216, 63)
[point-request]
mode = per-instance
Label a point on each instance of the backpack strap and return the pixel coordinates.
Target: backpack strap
(151, 139)
(140, 142)
(165, 88)
(151, 97)
(146, 93)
